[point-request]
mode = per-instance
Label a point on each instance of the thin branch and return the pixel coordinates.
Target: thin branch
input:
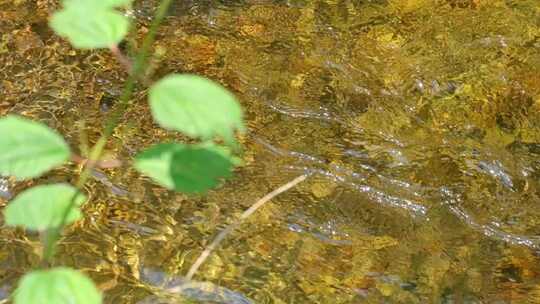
(53, 235)
(123, 59)
(221, 236)
(83, 139)
(103, 164)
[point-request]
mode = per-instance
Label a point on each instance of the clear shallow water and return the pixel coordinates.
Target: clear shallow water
(418, 119)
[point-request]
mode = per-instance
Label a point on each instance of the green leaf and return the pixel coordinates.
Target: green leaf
(186, 168)
(29, 149)
(42, 207)
(195, 106)
(56, 286)
(90, 26)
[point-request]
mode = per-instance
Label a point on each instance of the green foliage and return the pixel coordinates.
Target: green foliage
(199, 108)
(186, 168)
(89, 24)
(195, 106)
(43, 207)
(56, 286)
(190, 104)
(29, 149)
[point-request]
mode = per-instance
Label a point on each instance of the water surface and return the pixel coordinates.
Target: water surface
(418, 120)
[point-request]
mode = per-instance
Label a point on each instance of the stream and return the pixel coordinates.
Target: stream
(417, 121)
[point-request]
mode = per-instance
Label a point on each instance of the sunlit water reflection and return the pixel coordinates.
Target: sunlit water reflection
(417, 120)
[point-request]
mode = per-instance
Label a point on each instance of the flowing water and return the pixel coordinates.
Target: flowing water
(417, 120)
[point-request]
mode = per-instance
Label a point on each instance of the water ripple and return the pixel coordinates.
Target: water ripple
(452, 201)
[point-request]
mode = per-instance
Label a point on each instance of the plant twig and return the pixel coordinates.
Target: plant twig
(123, 59)
(221, 236)
(53, 235)
(83, 139)
(103, 164)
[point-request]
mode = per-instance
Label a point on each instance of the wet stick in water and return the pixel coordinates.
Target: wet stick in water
(223, 234)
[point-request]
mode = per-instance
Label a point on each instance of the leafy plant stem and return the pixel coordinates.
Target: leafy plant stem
(53, 235)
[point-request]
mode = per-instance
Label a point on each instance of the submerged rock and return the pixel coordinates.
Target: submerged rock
(198, 291)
